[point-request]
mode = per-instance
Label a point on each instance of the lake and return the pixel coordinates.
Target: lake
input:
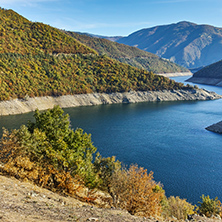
(168, 138)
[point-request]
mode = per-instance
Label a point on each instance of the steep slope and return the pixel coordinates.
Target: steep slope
(18, 35)
(38, 60)
(129, 55)
(210, 75)
(184, 43)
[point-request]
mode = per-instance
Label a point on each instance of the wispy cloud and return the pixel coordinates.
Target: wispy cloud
(71, 24)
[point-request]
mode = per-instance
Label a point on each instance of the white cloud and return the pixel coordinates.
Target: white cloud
(70, 24)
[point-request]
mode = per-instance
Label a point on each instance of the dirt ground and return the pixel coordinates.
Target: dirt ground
(23, 201)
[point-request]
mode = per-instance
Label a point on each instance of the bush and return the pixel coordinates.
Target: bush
(51, 142)
(176, 207)
(105, 168)
(134, 190)
(209, 206)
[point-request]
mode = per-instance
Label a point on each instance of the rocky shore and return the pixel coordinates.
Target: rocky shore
(204, 80)
(216, 128)
(18, 106)
(174, 74)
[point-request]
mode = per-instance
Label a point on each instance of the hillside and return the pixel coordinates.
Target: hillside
(18, 35)
(184, 43)
(38, 60)
(210, 75)
(39, 204)
(129, 55)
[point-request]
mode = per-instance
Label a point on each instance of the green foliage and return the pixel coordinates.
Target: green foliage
(209, 206)
(176, 207)
(18, 35)
(48, 75)
(105, 168)
(129, 55)
(51, 141)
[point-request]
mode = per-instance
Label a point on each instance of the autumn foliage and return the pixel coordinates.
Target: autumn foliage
(135, 190)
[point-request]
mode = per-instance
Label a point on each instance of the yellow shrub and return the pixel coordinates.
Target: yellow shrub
(179, 208)
(134, 190)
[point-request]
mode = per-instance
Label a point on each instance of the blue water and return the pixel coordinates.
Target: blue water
(168, 138)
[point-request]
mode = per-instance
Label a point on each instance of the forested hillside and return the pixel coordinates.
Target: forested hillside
(129, 55)
(38, 60)
(18, 35)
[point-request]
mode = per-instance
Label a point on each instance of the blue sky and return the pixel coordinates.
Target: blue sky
(116, 17)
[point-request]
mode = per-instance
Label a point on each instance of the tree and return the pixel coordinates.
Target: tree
(177, 207)
(135, 190)
(209, 206)
(50, 140)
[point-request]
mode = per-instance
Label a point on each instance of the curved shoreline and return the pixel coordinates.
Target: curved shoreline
(19, 106)
(174, 74)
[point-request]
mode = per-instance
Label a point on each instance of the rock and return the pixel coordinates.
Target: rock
(92, 219)
(216, 128)
(18, 106)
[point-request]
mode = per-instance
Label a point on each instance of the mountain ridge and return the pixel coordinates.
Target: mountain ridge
(128, 54)
(184, 43)
(210, 75)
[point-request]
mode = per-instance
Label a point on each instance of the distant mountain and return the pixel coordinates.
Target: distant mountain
(127, 54)
(184, 43)
(111, 38)
(210, 75)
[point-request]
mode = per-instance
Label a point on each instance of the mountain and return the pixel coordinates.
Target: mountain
(39, 60)
(127, 54)
(111, 38)
(18, 35)
(184, 43)
(210, 75)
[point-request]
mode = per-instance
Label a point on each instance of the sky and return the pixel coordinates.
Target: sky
(116, 17)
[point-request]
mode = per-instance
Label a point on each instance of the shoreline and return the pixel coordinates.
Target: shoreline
(19, 106)
(205, 80)
(174, 74)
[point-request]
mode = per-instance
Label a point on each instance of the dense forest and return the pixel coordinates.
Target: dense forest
(129, 55)
(38, 60)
